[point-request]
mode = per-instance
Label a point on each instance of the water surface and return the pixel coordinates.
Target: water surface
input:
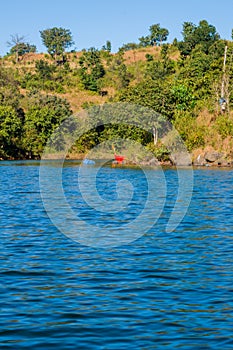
(162, 291)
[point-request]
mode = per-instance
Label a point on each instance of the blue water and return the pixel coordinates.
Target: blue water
(162, 291)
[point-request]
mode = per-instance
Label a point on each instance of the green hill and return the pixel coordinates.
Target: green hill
(183, 81)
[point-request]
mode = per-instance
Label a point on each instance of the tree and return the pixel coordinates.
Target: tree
(10, 131)
(128, 47)
(145, 41)
(44, 69)
(183, 98)
(156, 37)
(23, 48)
(91, 69)
(204, 35)
(155, 94)
(122, 76)
(57, 40)
(108, 46)
(9, 89)
(16, 43)
(44, 115)
(160, 69)
(158, 34)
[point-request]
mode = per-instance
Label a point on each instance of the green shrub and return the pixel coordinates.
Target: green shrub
(224, 126)
(189, 130)
(160, 151)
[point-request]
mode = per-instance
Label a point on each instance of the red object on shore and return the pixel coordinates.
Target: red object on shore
(119, 159)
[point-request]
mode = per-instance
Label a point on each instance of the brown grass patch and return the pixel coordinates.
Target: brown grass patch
(78, 98)
(132, 56)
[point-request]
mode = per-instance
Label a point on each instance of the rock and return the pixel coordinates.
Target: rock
(223, 163)
(153, 162)
(181, 159)
(212, 156)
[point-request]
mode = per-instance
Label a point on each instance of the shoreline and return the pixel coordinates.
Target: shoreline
(163, 164)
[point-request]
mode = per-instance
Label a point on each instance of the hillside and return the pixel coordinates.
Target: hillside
(184, 88)
(75, 94)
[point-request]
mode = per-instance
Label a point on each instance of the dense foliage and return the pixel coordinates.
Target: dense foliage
(91, 70)
(27, 121)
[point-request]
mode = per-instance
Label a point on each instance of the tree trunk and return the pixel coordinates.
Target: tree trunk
(224, 73)
(17, 56)
(155, 135)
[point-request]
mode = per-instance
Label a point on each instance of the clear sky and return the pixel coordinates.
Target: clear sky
(92, 22)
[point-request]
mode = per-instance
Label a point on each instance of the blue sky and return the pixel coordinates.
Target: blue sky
(92, 22)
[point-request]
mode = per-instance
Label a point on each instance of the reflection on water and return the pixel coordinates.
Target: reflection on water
(163, 291)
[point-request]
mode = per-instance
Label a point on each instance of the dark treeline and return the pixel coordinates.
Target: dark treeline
(188, 82)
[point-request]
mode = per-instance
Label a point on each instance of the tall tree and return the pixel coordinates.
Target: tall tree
(156, 37)
(158, 34)
(204, 35)
(57, 40)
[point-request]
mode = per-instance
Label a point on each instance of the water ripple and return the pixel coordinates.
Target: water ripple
(165, 291)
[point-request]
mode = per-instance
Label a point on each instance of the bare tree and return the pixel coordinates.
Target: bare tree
(16, 41)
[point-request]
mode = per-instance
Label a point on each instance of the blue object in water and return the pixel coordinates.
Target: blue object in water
(87, 161)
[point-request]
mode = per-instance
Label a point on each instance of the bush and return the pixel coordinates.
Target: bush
(224, 126)
(189, 130)
(160, 151)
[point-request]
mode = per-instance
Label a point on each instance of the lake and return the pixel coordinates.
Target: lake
(156, 290)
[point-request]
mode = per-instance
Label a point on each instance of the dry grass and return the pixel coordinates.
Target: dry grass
(213, 140)
(132, 56)
(78, 98)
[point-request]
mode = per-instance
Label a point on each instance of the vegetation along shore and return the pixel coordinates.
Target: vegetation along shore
(189, 82)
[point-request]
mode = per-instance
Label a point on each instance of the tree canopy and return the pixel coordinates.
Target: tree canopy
(156, 37)
(56, 40)
(23, 48)
(204, 35)
(158, 34)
